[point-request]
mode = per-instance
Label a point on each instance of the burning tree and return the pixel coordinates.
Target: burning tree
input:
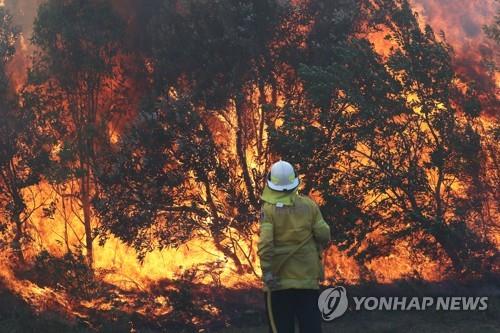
(22, 156)
(490, 136)
(389, 135)
(396, 151)
(76, 86)
(196, 155)
(389, 144)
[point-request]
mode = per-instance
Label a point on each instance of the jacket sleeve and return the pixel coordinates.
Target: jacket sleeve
(265, 246)
(320, 228)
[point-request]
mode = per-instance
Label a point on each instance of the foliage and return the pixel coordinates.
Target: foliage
(8, 38)
(76, 90)
(203, 184)
(23, 155)
(391, 144)
(383, 141)
(79, 42)
(493, 30)
(224, 45)
(146, 199)
(69, 273)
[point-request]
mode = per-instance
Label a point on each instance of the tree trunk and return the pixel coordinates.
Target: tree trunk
(19, 208)
(240, 150)
(217, 231)
(87, 218)
(17, 241)
(442, 233)
(450, 243)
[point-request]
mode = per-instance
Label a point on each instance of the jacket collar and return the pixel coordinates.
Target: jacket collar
(279, 198)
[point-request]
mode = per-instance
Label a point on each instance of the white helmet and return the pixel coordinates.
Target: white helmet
(282, 177)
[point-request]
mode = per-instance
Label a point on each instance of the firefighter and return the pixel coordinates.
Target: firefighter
(293, 234)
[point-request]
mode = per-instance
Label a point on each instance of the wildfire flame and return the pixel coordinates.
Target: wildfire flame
(462, 23)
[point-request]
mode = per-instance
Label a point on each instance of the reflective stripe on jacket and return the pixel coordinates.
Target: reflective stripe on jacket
(284, 225)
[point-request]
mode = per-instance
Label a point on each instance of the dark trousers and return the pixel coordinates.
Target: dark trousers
(290, 304)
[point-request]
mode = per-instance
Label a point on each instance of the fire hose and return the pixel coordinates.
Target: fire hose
(275, 273)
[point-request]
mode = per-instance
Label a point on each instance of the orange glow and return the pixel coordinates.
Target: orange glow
(120, 260)
(117, 264)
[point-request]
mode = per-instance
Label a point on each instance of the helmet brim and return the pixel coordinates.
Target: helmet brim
(283, 188)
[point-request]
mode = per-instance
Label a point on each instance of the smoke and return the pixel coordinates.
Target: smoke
(462, 23)
(24, 13)
(461, 20)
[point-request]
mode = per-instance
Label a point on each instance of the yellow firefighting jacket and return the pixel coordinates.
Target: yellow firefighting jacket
(287, 221)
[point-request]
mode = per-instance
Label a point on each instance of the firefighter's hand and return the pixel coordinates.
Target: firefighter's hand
(271, 280)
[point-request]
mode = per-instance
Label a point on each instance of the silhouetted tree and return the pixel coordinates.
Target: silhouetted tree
(384, 144)
(221, 55)
(388, 143)
(490, 136)
(216, 67)
(22, 157)
(77, 79)
(493, 29)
